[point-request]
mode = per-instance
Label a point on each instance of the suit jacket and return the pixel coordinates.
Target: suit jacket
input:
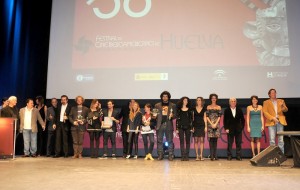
(66, 125)
(125, 115)
(73, 116)
(115, 114)
(35, 116)
(51, 122)
(236, 123)
(137, 121)
(159, 115)
(9, 112)
(269, 112)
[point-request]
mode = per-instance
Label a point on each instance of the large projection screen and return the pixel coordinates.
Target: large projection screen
(123, 49)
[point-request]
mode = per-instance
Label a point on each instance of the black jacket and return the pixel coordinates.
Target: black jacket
(236, 123)
(190, 117)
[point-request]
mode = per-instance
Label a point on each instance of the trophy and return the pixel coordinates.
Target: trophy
(80, 119)
(155, 112)
(171, 112)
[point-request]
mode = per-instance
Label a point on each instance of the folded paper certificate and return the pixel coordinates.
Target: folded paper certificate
(146, 130)
(107, 123)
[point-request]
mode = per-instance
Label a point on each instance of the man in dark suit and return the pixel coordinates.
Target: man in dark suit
(110, 132)
(62, 127)
(51, 118)
(77, 118)
(164, 118)
(234, 123)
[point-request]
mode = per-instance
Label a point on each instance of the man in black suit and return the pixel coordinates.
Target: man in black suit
(234, 123)
(164, 118)
(110, 132)
(62, 127)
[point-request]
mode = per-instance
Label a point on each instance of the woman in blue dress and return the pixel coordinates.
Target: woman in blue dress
(255, 123)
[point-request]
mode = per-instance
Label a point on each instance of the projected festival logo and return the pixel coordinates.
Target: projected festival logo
(269, 32)
(156, 34)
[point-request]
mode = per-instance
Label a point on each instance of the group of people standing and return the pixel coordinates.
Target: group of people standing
(197, 121)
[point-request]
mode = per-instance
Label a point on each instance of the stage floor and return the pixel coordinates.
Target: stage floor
(87, 174)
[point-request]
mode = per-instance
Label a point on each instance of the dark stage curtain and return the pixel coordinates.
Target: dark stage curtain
(24, 39)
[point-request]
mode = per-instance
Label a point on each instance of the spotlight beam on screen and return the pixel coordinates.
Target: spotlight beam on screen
(118, 49)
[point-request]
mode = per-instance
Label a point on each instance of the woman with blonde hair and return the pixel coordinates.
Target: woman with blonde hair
(134, 122)
(94, 127)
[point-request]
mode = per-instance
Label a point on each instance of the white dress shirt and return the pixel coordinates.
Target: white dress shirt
(27, 118)
(62, 112)
(233, 110)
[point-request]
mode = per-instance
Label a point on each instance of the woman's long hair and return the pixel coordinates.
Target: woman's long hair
(133, 112)
(180, 102)
(94, 101)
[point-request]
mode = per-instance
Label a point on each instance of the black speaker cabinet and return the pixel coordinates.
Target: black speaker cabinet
(271, 156)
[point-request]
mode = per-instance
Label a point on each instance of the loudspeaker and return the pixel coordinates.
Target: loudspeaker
(271, 156)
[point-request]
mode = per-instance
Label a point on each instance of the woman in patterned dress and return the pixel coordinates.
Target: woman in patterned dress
(213, 115)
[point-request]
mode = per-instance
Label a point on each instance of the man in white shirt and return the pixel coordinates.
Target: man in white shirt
(28, 126)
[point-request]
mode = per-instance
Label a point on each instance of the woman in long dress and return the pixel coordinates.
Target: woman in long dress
(255, 123)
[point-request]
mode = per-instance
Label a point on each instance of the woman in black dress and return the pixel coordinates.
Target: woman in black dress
(94, 127)
(184, 124)
(199, 127)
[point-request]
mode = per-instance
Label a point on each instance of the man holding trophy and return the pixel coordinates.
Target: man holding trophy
(77, 117)
(165, 112)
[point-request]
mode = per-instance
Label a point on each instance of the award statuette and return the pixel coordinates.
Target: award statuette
(155, 112)
(80, 119)
(171, 112)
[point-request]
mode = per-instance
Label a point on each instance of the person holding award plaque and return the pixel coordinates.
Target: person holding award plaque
(77, 117)
(94, 127)
(166, 112)
(147, 131)
(184, 125)
(110, 120)
(134, 122)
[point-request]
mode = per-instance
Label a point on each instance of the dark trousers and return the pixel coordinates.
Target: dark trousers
(77, 136)
(237, 136)
(125, 143)
(185, 148)
(61, 139)
(213, 144)
(112, 136)
(41, 141)
(151, 139)
(168, 131)
(94, 138)
(132, 139)
(50, 142)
